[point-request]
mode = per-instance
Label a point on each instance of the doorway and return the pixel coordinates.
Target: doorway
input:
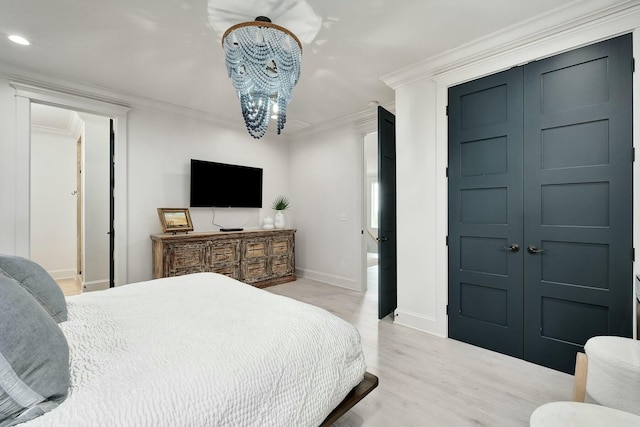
(25, 96)
(540, 205)
(370, 209)
(69, 197)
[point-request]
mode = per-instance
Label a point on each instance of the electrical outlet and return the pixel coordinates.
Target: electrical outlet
(342, 265)
(343, 216)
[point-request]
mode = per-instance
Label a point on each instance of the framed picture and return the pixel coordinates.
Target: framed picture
(173, 220)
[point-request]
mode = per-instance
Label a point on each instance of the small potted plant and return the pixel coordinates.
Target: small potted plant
(280, 204)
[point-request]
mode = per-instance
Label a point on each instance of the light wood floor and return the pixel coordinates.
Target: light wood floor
(430, 381)
(70, 286)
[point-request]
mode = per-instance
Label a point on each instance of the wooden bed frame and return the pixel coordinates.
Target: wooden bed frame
(365, 386)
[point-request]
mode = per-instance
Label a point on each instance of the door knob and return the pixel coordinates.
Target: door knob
(534, 250)
(512, 247)
(382, 239)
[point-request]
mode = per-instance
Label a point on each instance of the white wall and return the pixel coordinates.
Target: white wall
(53, 207)
(326, 180)
(96, 201)
(370, 148)
(160, 148)
(8, 154)
(416, 207)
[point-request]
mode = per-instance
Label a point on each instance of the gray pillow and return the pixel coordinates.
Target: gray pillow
(34, 357)
(38, 283)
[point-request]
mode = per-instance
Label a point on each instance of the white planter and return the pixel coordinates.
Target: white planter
(268, 223)
(279, 220)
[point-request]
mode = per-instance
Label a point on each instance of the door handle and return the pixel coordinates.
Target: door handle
(533, 250)
(512, 247)
(381, 239)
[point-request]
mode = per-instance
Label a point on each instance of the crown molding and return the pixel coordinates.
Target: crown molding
(38, 82)
(363, 122)
(73, 127)
(518, 36)
(76, 125)
(27, 80)
(51, 130)
(53, 95)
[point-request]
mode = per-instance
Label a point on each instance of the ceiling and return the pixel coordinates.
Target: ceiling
(169, 50)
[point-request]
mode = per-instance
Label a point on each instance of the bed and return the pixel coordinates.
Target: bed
(206, 350)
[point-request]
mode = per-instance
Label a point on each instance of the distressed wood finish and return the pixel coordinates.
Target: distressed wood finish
(257, 257)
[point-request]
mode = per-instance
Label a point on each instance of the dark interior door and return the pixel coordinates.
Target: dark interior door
(387, 267)
(569, 167)
(485, 212)
(578, 204)
(112, 183)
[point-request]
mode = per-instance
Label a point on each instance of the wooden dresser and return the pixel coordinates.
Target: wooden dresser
(257, 257)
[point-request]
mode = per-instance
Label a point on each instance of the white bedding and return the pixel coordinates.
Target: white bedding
(203, 350)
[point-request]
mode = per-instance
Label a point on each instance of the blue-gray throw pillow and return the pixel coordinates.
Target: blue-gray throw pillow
(38, 283)
(34, 357)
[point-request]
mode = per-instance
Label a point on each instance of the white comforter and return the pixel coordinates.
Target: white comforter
(203, 350)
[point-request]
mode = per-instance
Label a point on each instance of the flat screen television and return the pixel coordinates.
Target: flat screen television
(226, 186)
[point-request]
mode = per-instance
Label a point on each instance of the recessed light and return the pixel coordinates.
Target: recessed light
(19, 39)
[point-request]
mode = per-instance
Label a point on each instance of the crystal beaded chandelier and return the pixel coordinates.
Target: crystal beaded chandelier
(263, 62)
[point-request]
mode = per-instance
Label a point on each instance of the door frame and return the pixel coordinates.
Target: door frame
(493, 62)
(80, 209)
(365, 213)
(27, 94)
(368, 126)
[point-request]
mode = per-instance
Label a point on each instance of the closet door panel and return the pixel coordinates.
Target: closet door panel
(578, 200)
(485, 212)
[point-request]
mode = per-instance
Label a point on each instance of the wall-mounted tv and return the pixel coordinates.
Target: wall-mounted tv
(226, 186)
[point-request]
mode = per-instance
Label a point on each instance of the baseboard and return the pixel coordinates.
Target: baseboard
(342, 282)
(95, 285)
(62, 274)
(419, 322)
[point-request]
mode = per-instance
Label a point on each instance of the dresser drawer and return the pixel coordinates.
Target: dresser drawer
(185, 256)
(231, 270)
(255, 248)
(224, 252)
(256, 269)
(282, 246)
(281, 266)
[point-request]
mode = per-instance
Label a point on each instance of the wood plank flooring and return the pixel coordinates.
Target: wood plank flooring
(430, 381)
(70, 286)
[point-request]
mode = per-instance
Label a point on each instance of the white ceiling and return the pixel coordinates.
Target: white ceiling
(168, 50)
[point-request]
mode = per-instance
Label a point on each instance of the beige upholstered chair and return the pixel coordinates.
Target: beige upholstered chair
(609, 373)
(564, 414)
